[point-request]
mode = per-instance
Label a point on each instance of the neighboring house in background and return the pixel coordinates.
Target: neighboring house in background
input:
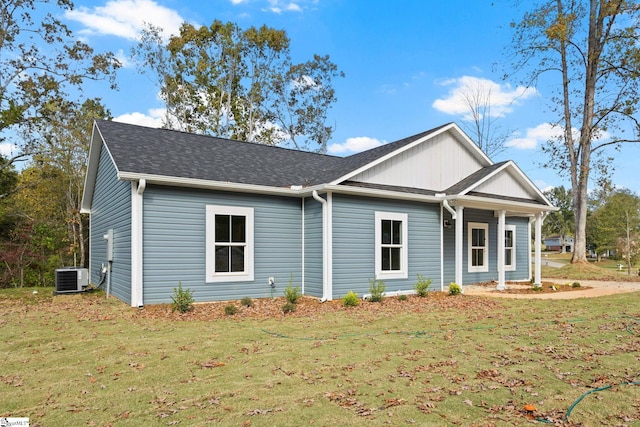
(225, 217)
(556, 242)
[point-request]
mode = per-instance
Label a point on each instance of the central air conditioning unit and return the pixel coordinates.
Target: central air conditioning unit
(71, 279)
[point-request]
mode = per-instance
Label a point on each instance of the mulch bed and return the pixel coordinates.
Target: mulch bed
(307, 307)
(527, 288)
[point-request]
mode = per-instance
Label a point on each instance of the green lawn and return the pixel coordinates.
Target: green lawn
(440, 360)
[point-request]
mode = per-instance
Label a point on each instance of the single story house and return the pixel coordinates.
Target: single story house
(230, 219)
(556, 242)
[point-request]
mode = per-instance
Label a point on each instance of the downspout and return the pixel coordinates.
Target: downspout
(325, 244)
(445, 203)
(137, 254)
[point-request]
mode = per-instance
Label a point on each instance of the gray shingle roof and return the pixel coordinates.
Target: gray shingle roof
(152, 151)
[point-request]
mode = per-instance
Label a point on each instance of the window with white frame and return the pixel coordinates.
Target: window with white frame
(509, 247)
(391, 245)
(229, 243)
(478, 244)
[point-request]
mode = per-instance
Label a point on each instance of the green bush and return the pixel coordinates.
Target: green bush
(402, 297)
(288, 307)
(575, 285)
(454, 289)
(422, 286)
(247, 302)
(292, 294)
(376, 289)
(230, 310)
(351, 299)
(182, 299)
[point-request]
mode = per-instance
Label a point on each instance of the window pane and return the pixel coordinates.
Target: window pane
(237, 258)
(508, 238)
(386, 231)
(222, 228)
(386, 259)
(397, 232)
(477, 257)
(508, 254)
(477, 237)
(395, 259)
(222, 259)
(238, 229)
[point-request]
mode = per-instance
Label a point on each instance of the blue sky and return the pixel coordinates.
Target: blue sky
(404, 63)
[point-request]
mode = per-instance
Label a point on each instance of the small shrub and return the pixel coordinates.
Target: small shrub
(247, 302)
(454, 289)
(292, 294)
(288, 307)
(575, 285)
(182, 299)
(422, 286)
(230, 310)
(351, 299)
(376, 288)
(402, 297)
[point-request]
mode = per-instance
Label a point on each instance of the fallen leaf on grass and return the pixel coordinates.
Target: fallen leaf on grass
(211, 364)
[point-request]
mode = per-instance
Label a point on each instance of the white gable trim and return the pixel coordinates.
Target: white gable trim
(475, 150)
(95, 148)
(510, 165)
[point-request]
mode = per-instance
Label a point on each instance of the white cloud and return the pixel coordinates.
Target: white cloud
(279, 6)
(8, 149)
(538, 135)
(125, 18)
(545, 132)
(355, 145)
(123, 58)
(499, 98)
(153, 119)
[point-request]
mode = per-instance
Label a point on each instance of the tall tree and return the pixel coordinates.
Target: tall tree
(560, 222)
(616, 225)
(481, 122)
(42, 67)
(240, 84)
(67, 149)
(592, 47)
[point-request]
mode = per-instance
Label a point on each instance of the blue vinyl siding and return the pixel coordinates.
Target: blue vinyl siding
(474, 215)
(313, 247)
(522, 271)
(174, 244)
(111, 209)
(354, 244)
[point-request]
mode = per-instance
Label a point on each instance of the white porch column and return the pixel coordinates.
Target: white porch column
(459, 244)
(501, 219)
(537, 281)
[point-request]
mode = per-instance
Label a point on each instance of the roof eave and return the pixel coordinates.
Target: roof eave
(488, 203)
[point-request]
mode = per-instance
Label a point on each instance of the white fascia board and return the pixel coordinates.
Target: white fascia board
(96, 145)
(511, 206)
(524, 179)
(209, 185)
(472, 145)
(389, 156)
(483, 180)
(370, 192)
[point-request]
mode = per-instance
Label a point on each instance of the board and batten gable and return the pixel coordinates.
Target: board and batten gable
(313, 262)
(434, 164)
(111, 209)
(174, 225)
(522, 269)
(354, 243)
(505, 183)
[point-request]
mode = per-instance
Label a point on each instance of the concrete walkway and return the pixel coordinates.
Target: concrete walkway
(598, 288)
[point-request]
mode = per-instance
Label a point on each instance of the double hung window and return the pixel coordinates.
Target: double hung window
(391, 245)
(229, 243)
